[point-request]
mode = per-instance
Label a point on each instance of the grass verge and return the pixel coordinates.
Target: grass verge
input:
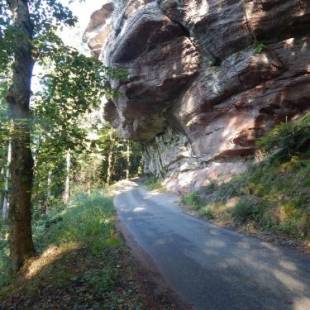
(271, 196)
(153, 183)
(83, 264)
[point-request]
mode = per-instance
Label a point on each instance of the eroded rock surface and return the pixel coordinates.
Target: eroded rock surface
(206, 78)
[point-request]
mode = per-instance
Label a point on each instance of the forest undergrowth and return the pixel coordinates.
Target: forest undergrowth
(82, 263)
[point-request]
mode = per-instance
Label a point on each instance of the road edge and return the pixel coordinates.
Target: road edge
(148, 266)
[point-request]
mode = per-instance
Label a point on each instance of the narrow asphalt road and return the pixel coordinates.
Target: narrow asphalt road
(211, 267)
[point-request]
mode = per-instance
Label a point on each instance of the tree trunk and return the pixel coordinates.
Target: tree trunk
(5, 206)
(48, 193)
(21, 168)
(66, 194)
(128, 160)
(110, 159)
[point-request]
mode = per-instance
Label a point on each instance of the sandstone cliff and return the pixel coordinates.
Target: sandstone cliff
(206, 78)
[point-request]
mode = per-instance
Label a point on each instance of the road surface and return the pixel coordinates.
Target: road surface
(210, 267)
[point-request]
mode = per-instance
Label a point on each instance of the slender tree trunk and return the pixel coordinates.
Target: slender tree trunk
(110, 159)
(48, 193)
(128, 160)
(66, 194)
(5, 206)
(21, 168)
(3, 178)
(89, 187)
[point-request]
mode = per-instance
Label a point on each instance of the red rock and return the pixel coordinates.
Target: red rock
(206, 78)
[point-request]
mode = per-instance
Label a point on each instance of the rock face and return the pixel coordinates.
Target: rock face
(206, 78)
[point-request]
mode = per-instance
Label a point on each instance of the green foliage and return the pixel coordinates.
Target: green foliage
(81, 263)
(72, 86)
(248, 209)
(288, 139)
(101, 280)
(50, 14)
(89, 219)
(193, 199)
(153, 183)
(274, 195)
(207, 213)
(259, 47)
(46, 16)
(114, 152)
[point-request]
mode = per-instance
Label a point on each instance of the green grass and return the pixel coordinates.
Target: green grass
(193, 199)
(153, 183)
(272, 195)
(82, 263)
(89, 220)
(288, 139)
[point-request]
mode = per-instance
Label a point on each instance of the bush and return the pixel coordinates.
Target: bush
(153, 183)
(193, 199)
(207, 213)
(254, 210)
(88, 220)
(247, 209)
(288, 139)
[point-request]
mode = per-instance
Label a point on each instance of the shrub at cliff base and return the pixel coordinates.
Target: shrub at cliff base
(153, 183)
(272, 195)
